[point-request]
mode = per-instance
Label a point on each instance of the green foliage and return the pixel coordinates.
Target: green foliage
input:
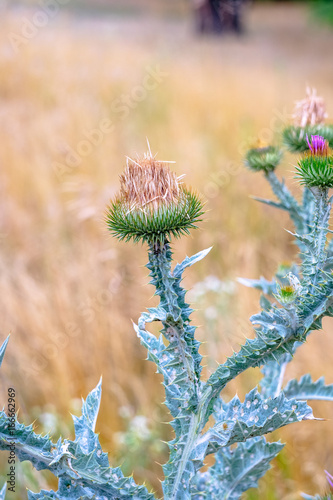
(323, 11)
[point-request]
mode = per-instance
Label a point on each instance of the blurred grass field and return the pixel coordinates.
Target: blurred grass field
(69, 291)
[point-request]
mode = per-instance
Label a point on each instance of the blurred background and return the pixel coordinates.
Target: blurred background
(83, 83)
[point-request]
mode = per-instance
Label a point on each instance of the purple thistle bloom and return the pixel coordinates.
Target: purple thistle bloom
(318, 145)
(329, 478)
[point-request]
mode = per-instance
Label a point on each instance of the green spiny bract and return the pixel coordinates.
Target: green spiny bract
(155, 225)
(264, 159)
(315, 171)
(153, 205)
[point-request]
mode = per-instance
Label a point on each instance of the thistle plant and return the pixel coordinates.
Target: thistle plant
(154, 207)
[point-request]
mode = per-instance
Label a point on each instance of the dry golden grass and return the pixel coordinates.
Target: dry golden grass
(68, 291)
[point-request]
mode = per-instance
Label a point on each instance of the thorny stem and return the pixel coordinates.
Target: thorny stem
(315, 260)
(160, 258)
(177, 333)
(187, 449)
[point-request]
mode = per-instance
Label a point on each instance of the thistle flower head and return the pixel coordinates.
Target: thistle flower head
(316, 169)
(310, 111)
(148, 183)
(318, 146)
(263, 158)
(153, 204)
(296, 138)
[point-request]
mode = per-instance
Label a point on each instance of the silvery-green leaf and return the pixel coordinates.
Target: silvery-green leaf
(3, 349)
(3, 492)
(235, 470)
(305, 388)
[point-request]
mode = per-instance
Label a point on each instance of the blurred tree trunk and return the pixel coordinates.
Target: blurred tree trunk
(207, 16)
(217, 16)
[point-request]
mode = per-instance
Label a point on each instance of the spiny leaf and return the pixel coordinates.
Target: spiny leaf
(273, 372)
(189, 261)
(267, 287)
(288, 201)
(305, 388)
(270, 203)
(3, 492)
(3, 349)
(83, 469)
(255, 417)
(235, 471)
